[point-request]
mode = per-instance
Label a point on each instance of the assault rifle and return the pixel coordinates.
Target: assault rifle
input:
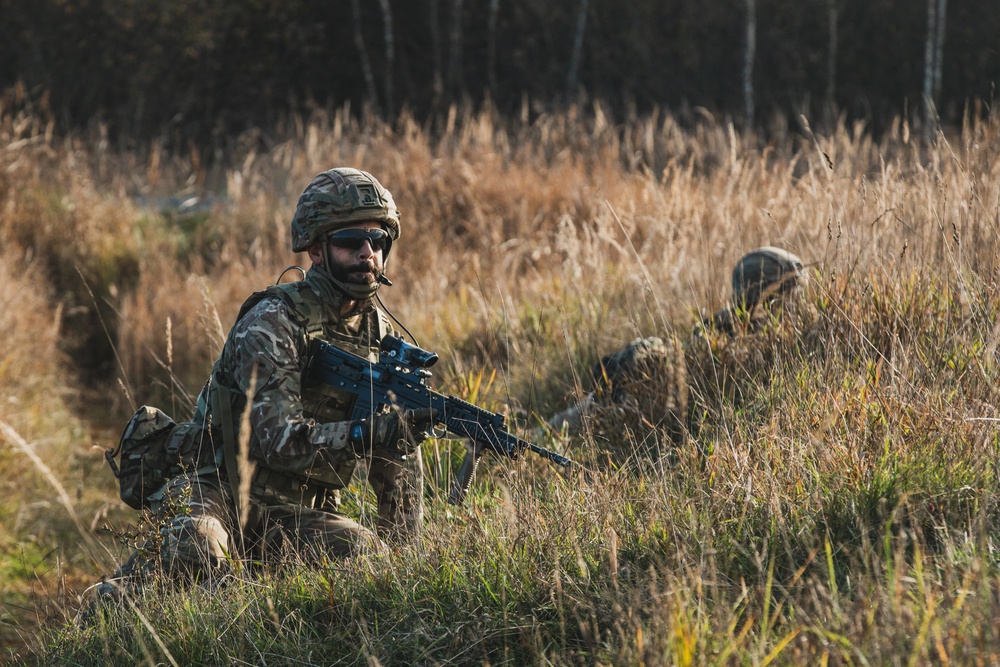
(398, 379)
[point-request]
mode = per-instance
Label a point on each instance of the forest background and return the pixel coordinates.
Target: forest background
(571, 176)
(208, 70)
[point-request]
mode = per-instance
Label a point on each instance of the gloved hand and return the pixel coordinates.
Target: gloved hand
(396, 433)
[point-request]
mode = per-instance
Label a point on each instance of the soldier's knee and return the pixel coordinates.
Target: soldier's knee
(191, 543)
(339, 539)
(353, 542)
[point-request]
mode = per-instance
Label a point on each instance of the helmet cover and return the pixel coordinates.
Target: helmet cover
(337, 198)
(764, 274)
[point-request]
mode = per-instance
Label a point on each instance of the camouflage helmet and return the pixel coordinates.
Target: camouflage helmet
(766, 273)
(337, 198)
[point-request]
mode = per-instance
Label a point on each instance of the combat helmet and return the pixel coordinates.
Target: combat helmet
(765, 274)
(340, 197)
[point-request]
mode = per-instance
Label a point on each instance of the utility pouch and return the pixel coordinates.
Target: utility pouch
(153, 449)
(190, 447)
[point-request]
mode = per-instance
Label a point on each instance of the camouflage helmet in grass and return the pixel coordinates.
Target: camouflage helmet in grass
(764, 274)
(340, 197)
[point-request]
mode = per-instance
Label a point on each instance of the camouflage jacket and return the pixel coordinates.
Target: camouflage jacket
(299, 433)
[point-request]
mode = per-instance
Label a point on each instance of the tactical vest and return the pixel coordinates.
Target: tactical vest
(319, 402)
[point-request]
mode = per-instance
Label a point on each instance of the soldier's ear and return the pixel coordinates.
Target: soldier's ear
(315, 254)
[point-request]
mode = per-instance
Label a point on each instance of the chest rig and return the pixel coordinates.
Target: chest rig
(317, 321)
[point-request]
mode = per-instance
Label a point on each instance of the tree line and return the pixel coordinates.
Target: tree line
(207, 69)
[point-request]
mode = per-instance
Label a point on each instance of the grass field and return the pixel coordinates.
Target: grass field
(837, 504)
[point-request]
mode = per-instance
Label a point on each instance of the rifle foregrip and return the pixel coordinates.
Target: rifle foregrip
(464, 480)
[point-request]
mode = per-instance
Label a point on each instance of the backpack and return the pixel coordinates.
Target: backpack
(154, 448)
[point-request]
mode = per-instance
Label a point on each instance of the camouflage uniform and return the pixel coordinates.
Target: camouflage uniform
(299, 445)
(736, 347)
(762, 280)
(659, 383)
(642, 385)
(299, 434)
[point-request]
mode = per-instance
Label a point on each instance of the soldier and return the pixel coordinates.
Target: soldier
(737, 345)
(762, 280)
(657, 381)
(274, 490)
(641, 386)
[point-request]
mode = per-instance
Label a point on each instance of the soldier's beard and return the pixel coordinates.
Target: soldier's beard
(362, 273)
(358, 281)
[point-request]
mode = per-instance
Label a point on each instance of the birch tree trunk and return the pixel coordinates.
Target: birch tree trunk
(390, 57)
(366, 66)
(939, 48)
(929, 68)
(748, 57)
(491, 48)
(455, 52)
(933, 48)
(831, 62)
(438, 81)
(577, 54)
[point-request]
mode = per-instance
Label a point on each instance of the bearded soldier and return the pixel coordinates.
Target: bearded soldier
(284, 447)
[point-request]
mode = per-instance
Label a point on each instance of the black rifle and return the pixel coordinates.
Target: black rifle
(399, 379)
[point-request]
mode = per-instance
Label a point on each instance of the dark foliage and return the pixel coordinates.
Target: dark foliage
(204, 70)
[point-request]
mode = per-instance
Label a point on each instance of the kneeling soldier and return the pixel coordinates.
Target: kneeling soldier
(284, 448)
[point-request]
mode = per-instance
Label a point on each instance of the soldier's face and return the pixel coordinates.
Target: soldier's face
(361, 265)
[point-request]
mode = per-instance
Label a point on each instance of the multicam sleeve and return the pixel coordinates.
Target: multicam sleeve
(267, 360)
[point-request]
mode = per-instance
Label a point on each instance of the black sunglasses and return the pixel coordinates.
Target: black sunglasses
(353, 239)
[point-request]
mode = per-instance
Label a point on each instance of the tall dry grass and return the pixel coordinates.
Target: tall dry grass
(40, 552)
(837, 503)
(499, 217)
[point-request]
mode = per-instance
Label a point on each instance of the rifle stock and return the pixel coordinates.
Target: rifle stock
(398, 379)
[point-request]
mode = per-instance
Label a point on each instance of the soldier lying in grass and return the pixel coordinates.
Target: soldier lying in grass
(652, 386)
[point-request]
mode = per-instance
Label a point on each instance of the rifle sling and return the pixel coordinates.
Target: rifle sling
(224, 409)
